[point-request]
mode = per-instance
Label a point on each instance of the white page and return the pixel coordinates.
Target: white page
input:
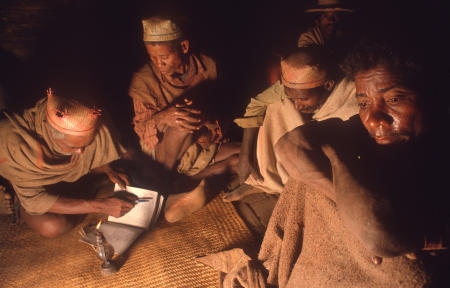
(142, 213)
(121, 237)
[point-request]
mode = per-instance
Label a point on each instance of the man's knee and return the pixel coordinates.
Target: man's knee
(174, 133)
(54, 226)
(48, 225)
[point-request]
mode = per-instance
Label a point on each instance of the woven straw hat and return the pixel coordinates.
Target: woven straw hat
(158, 29)
(328, 6)
(71, 117)
(305, 77)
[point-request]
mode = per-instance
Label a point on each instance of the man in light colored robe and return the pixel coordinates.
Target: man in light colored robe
(305, 93)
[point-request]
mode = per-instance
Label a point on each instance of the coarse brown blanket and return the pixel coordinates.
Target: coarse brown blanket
(306, 245)
(30, 159)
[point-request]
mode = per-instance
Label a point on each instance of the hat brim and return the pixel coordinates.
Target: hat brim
(162, 37)
(334, 9)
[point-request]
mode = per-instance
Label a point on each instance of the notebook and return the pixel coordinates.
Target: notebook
(122, 232)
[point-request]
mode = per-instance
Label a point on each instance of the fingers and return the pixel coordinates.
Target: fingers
(183, 108)
(117, 207)
(187, 102)
(187, 117)
(120, 182)
(126, 206)
(185, 125)
(124, 177)
(124, 211)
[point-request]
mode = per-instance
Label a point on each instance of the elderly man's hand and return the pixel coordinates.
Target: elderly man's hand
(117, 207)
(215, 130)
(179, 116)
(117, 176)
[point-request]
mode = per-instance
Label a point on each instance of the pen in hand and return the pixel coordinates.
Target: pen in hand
(143, 199)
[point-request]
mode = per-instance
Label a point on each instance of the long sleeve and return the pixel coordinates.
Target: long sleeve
(144, 124)
(256, 109)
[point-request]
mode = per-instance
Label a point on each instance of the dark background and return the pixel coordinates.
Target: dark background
(100, 41)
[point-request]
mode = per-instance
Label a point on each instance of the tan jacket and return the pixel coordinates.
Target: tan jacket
(30, 159)
(151, 92)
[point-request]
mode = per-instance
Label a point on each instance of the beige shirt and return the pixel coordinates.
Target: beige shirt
(30, 159)
(256, 109)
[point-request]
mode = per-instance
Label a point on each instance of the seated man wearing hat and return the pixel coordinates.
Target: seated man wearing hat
(326, 28)
(164, 93)
(58, 140)
(307, 92)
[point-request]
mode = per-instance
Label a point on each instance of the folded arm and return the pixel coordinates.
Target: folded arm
(309, 153)
(304, 161)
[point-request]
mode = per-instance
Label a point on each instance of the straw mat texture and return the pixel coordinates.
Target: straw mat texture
(164, 257)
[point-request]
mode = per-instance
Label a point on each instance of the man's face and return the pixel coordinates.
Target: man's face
(387, 108)
(307, 100)
(70, 144)
(167, 58)
(328, 22)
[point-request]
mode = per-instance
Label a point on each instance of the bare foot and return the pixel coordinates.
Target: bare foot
(181, 205)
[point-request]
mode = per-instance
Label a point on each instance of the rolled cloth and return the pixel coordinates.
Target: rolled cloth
(30, 159)
(71, 117)
(158, 29)
(304, 77)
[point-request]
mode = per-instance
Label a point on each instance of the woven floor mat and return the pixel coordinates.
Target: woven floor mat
(164, 257)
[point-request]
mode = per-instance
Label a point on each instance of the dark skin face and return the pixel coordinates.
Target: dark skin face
(72, 144)
(308, 100)
(167, 58)
(328, 22)
(388, 109)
